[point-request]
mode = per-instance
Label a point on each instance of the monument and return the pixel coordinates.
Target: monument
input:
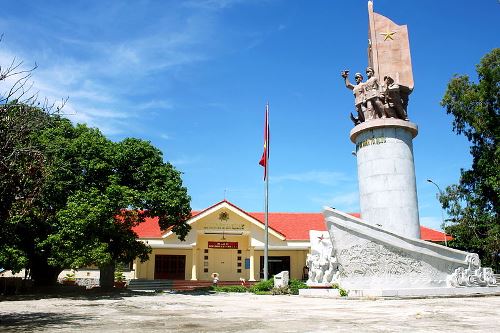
(381, 253)
(322, 267)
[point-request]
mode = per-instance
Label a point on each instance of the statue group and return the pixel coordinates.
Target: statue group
(374, 100)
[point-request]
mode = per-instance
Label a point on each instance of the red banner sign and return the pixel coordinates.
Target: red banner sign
(223, 245)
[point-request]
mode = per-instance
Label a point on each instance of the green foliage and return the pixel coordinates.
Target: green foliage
(342, 291)
(70, 277)
(263, 285)
(283, 290)
(266, 287)
(119, 277)
(230, 289)
(473, 202)
(21, 176)
(295, 285)
(73, 197)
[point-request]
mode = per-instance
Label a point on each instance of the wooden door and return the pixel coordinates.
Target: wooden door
(172, 267)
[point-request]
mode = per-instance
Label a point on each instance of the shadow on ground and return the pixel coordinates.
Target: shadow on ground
(77, 294)
(92, 294)
(34, 321)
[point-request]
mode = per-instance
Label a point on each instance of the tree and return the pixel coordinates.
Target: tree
(473, 202)
(69, 196)
(22, 163)
(127, 181)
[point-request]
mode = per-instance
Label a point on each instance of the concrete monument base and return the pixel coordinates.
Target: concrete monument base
(386, 174)
(405, 292)
(320, 292)
(372, 258)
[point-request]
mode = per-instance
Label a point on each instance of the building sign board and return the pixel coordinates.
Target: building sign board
(222, 226)
(222, 245)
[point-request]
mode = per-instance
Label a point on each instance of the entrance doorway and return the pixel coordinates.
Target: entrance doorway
(224, 263)
(277, 264)
(171, 267)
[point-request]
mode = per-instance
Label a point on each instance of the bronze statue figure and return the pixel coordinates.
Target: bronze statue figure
(389, 55)
(374, 105)
(394, 105)
(358, 92)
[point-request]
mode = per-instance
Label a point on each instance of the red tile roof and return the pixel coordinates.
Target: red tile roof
(294, 226)
(148, 229)
(432, 235)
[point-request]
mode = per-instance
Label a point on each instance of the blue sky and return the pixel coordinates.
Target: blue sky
(193, 77)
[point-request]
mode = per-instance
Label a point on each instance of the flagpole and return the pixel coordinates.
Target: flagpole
(266, 203)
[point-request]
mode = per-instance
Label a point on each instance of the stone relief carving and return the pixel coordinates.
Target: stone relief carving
(473, 275)
(322, 270)
(321, 262)
(374, 259)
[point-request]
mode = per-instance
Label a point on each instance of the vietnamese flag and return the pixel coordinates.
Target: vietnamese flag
(265, 155)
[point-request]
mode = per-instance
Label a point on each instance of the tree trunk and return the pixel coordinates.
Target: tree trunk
(107, 276)
(44, 275)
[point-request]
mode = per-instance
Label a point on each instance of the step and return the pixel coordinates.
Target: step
(141, 284)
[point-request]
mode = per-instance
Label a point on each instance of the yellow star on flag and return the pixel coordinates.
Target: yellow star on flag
(388, 35)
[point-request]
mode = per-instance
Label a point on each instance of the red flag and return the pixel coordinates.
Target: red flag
(265, 154)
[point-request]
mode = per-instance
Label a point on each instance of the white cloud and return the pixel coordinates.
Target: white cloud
(107, 76)
(185, 160)
(347, 201)
(155, 104)
(320, 177)
(211, 4)
(101, 87)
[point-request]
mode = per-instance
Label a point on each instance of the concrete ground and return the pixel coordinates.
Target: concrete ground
(245, 313)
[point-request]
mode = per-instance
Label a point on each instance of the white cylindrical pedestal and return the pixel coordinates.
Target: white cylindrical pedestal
(386, 175)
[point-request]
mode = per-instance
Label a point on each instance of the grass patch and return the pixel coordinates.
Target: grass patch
(230, 289)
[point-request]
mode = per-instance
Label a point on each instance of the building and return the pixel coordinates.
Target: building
(225, 239)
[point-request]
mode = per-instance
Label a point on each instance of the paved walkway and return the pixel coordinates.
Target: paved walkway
(247, 313)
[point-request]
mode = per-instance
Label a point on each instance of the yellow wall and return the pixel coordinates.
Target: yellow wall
(239, 228)
(222, 261)
(228, 270)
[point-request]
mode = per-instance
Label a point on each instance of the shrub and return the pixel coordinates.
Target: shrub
(119, 277)
(294, 286)
(230, 289)
(70, 277)
(263, 285)
(342, 291)
(284, 290)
